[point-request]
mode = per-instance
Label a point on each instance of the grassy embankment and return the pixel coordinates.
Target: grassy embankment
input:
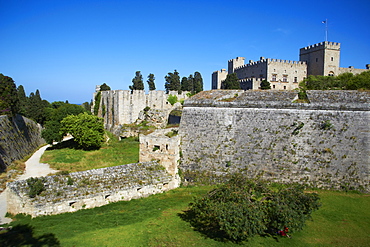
(112, 153)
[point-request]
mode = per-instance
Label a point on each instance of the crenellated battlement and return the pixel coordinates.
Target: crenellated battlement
(321, 46)
(270, 60)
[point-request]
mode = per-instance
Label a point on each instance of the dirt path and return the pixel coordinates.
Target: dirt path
(33, 169)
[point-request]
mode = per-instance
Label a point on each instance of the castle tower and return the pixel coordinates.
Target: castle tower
(322, 58)
(218, 77)
(234, 63)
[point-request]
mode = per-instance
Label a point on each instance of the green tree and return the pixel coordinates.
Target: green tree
(231, 82)
(137, 82)
(87, 130)
(9, 101)
(265, 85)
(150, 82)
(242, 208)
(36, 108)
(198, 82)
(172, 99)
(172, 82)
(104, 87)
(51, 131)
(190, 84)
(184, 84)
(23, 100)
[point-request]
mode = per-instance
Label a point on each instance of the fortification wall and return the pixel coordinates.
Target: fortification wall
(119, 107)
(19, 137)
(92, 188)
(262, 133)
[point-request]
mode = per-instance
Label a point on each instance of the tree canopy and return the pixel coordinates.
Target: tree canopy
(9, 101)
(150, 82)
(104, 87)
(265, 85)
(231, 82)
(137, 82)
(87, 130)
(198, 82)
(172, 81)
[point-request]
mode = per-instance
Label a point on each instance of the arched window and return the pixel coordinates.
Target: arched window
(331, 73)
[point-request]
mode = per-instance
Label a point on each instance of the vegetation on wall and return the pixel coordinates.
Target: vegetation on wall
(345, 81)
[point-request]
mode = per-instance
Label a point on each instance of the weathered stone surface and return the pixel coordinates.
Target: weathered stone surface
(19, 137)
(324, 143)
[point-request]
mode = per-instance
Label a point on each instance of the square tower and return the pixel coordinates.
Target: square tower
(235, 63)
(322, 58)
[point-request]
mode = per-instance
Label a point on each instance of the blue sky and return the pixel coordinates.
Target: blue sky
(64, 48)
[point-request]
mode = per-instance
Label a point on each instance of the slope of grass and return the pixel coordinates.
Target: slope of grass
(343, 220)
(112, 153)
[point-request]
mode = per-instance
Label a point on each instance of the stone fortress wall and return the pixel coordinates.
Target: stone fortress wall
(124, 106)
(89, 189)
(323, 143)
(19, 136)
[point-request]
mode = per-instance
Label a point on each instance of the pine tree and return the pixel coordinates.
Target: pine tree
(137, 82)
(265, 85)
(150, 81)
(198, 82)
(190, 84)
(104, 87)
(23, 100)
(184, 84)
(231, 82)
(172, 82)
(9, 101)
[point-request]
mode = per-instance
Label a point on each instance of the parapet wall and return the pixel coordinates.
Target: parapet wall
(324, 143)
(92, 188)
(19, 137)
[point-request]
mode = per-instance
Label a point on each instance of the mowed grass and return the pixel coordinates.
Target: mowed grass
(112, 153)
(343, 220)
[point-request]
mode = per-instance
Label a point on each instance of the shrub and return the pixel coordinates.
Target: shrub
(242, 208)
(172, 99)
(36, 186)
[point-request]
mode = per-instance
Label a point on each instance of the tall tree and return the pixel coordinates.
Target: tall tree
(198, 82)
(23, 100)
(184, 84)
(172, 81)
(150, 81)
(265, 85)
(9, 101)
(190, 83)
(137, 82)
(36, 107)
(231, 82)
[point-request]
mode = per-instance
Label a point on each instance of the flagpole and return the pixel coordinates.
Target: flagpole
(326, 30)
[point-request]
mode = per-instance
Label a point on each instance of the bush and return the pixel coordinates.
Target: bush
(172, 99)
(36, 186)
(242, 208)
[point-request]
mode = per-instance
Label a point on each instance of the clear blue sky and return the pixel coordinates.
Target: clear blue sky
(64, 48)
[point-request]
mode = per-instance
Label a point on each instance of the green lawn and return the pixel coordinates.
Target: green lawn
(113, 153)
(343, 220)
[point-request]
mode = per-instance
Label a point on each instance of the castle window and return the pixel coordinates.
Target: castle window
(285, 78)
(332, 59)
(317, 59)
(295, 79)
(273, 77)
(284, 87)
(273, 86)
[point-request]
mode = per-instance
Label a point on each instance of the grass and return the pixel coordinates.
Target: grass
(343, 220)
(113, 153)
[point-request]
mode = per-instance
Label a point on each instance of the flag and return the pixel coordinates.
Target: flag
(323, 22)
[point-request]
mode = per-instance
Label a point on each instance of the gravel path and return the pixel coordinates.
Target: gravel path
(33, 169)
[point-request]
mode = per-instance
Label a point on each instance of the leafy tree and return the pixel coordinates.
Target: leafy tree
(172, 81)
(9, 101)
(150, 81)
(87, 130)
(242, 208)
(265, 85)
(137, 82)
(190, 84)
(231, 82)
(104, 87)
(87, 106)
(198, 82)
(51, 131)
(36, 108)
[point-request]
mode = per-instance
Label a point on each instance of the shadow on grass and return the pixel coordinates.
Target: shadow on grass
(23, 235)
(72, 144)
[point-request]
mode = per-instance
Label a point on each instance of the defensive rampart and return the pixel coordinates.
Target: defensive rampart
(88, 189)
(323, 143)
(19, 137)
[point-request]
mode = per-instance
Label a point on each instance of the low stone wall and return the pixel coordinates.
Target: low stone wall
(19, 137)
(324, 143)
(92, 188)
